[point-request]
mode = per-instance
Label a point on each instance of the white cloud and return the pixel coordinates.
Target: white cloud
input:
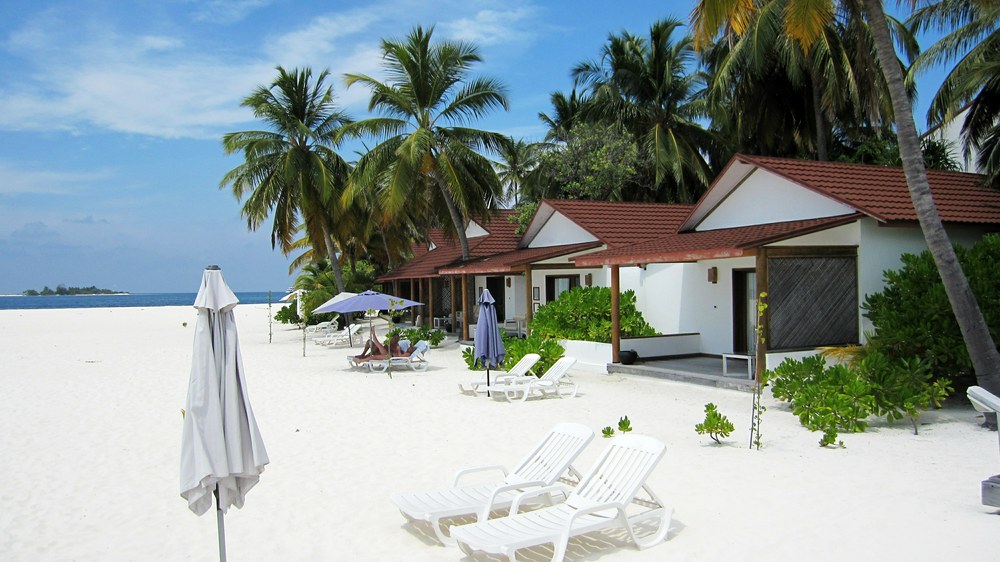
(491, 27)
(15, 180)
(227, 11)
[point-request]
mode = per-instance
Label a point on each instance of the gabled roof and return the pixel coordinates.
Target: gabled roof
(709, 244)
(515, 260)
(880, 192)
(502, 237)
(612, 223)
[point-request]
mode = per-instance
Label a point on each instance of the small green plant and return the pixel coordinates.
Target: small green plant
(432, 336)
(761, 379)
(715, 425)
(584, 313)
(288, 314)
(184, 324)
(608, 432)
(624, 425)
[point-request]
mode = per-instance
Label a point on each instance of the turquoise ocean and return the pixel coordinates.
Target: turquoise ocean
(119, 301)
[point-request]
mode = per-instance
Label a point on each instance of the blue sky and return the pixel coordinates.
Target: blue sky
(111, 115)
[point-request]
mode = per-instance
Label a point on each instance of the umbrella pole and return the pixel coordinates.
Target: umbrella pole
(487, 380)
(222, 526)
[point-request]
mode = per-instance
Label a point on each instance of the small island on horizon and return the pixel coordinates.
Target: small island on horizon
(63, 290)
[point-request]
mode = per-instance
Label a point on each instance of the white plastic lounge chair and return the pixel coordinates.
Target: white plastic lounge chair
(520, 369)
(601, 501)
(342, 336)
(554, 381)
(548, 462)
(319, 328)
(416, 360)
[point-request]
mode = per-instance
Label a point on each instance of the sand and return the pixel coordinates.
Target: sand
(91, 429)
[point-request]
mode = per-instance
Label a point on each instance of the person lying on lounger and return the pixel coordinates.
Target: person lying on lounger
(377, 351)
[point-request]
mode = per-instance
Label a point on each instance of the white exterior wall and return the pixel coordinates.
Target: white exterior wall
(514, 297)
(753, 202)
(559, 230)
(882, 247)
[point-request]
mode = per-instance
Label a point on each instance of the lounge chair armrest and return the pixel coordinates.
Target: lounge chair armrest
(484, 513)
(587, 511)
(473, 469)
(530, 494)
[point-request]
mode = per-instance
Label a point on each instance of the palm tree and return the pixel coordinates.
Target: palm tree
(837, 81)
(804, 21)
(566, 112)
(292, 170)
(517, 163)
(646, 85)
(426, 159)
(973, 39)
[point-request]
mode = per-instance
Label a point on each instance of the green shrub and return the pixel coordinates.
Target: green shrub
(584, 313)
(912, 315)
(433, 336)
(715, 425)
(549, 351)
(288, 314)
(842, 397)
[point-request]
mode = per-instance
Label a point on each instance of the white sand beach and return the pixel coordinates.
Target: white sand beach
(90, 443)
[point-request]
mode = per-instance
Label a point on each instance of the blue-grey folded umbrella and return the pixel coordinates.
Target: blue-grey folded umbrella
(489, 346)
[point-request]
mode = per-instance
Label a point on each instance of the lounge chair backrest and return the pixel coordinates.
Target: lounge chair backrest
(524, 365)
(620, 473)
(558, 369)
(553, 456)
(420, 348)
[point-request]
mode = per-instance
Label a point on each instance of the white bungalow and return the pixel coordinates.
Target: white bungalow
(815, 236)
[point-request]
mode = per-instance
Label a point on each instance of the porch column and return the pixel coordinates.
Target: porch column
(615, 316)
(529, 306)
(413, 297)
(454, 315)
(430, 302)
(764, 326)
(465, 308)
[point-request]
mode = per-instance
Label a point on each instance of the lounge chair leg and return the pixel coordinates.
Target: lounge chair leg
(439, 531)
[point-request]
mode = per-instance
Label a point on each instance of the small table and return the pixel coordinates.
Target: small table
(747, 358)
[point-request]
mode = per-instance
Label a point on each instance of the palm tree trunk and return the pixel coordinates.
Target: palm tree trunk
(982, 349)
(822, 149)
(456, 218)
(388, 255)
(331, 251)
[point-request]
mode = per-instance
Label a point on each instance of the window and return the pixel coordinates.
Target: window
(556, 285)
(812, 301)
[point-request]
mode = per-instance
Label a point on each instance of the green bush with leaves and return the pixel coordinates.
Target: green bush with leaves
(432, 336)
(584, 313)
(715, 425)
(841, 398)
(288, 314)
(549, 351)
(912, 315)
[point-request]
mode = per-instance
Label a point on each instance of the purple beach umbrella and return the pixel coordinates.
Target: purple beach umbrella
(489, 345)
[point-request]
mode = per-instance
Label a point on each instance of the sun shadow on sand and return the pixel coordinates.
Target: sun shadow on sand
(593, 546)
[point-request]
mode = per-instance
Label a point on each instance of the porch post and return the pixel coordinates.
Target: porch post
(528, 303)
(430, 302)
(413, 297)
(465, 308)
(764, 330)
(454, 316)
(615, 316)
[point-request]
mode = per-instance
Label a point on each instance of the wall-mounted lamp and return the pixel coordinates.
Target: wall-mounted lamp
(642, 266)
(508, 281)
(588, 279)
(713, 275)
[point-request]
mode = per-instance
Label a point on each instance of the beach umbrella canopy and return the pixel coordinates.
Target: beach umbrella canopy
(343, 295)
(368, 300)
(489, 346)
(222, 453)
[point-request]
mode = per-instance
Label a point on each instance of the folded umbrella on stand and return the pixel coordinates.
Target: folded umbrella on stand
(489, 345)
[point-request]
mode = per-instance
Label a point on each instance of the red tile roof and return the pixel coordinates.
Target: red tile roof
(502, 237)
(881, 192)
(616, 224)
(709, 244)
(511, 261)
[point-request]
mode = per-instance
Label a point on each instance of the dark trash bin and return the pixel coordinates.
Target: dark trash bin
(627, 357)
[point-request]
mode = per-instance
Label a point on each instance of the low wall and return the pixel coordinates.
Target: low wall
(594, 356)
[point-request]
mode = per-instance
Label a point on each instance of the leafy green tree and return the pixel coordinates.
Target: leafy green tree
(599, 162)
(426, 158)
(973, 42)
(804, 21)
(584, 313)
(292, 171)
(646, 85)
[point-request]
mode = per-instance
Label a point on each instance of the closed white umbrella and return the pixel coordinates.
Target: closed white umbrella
(222, 452)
